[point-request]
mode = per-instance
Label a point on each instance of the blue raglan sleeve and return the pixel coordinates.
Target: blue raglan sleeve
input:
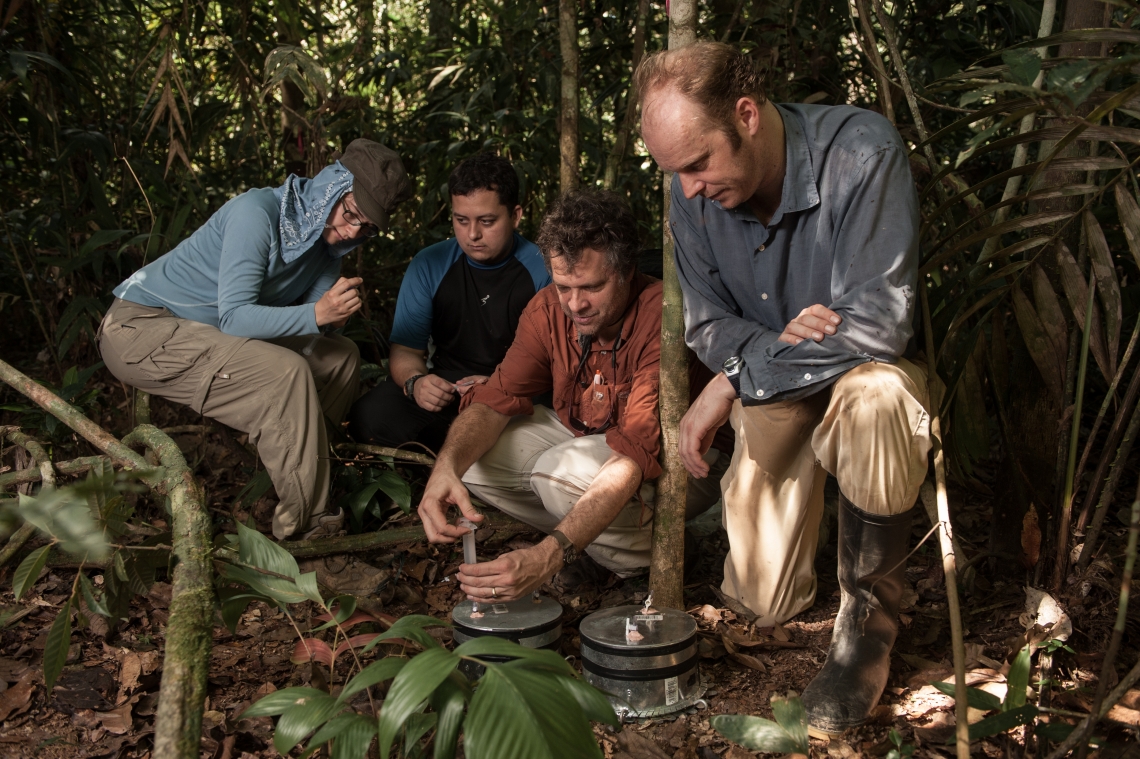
(411, 324)
(248, 233)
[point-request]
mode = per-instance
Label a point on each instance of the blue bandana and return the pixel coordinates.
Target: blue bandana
(306, 205)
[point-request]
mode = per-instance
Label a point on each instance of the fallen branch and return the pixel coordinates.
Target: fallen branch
(75, 466)
(46, 474)
(380, 450)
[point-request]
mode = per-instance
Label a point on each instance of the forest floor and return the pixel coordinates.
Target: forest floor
(104, 703)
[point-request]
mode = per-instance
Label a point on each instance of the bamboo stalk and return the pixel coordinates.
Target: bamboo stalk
(1110, 488)
(189, 633)
(667, 560)
(1121, 613)
(1061, 564)
(946, 534)
(617, 154)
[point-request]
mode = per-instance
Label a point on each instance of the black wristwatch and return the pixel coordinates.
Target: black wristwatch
(732, 366)
(410, 385)
(570, 553)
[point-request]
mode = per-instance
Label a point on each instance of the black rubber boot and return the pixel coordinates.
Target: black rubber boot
(872, 552)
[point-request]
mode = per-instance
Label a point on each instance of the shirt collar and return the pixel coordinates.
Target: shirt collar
(800, 191)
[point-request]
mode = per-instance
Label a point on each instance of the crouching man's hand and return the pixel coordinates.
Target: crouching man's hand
(443, 491)
(513, 575)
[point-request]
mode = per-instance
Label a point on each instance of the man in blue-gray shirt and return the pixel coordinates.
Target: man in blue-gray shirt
(460, 302)
(230, 323)
(796, 239)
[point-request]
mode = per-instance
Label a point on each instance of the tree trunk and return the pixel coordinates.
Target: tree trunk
(667, 569)
(568, 123)
(294, 135)
(613, 163)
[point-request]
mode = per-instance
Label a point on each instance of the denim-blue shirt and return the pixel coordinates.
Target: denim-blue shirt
(845, 235)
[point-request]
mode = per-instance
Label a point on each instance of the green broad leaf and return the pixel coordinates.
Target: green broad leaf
(791, 715)
(282, 591)
(450, 702)
(307, 584)
(55, 649)
(354, 740)
(376, 672)
(975, 697)
(1024, 65)
(395, 487)
(999, 723)
(1054, 731)
(518, 713)
(96, 605)
(358, 501)
(534, 657)
(345, 606)
(259, 551)
(63, 514)
(416, 728)
(279, 701)
(303, 719)
(412, 686)
(120, 567)
(233, 604)
(755, 733)
(411, 627)
(592, 701)
(1017, 680)
(29, 570)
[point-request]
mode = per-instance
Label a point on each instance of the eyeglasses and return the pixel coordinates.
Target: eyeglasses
(354, 219)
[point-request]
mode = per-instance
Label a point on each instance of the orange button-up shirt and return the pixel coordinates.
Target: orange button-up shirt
(545, 356)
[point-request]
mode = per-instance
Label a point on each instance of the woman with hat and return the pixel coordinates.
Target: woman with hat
(235, 322)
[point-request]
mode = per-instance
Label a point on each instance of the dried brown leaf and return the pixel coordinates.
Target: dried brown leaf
(1077, 293)
(1129, 213)
(1108, 288)
(1049, 309)
(17, 698)
(1048, 362)
(1030, 538)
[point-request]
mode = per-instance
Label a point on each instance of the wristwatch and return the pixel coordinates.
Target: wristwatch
(570, 553)
(732, 366)
(410, 385)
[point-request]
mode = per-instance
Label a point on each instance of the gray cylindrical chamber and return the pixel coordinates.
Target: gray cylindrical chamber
(646, 676)
(530, 622)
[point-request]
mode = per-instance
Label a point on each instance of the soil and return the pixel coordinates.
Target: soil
(104, 702)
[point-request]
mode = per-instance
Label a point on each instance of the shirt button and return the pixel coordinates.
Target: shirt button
(760, 249)
(759, 393)
(807, 376)
(763, 296)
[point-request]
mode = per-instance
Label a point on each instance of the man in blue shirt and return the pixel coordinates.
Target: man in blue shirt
(796, 234)
(458, 307)
(230, 322)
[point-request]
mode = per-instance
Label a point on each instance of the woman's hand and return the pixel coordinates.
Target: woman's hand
(340, 302)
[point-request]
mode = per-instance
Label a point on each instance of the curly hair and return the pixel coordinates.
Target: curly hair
(486, 171)
(586, 219)
(711, 74)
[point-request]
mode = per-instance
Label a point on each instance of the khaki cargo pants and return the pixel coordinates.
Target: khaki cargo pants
(538, 469)
(871, 430)
(267, 388)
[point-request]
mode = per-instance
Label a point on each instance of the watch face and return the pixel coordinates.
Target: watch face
(732, 364)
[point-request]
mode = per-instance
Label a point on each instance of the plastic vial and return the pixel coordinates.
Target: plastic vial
(469, 541)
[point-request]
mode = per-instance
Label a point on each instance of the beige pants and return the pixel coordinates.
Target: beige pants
(537, 471)
(269, 389)
(871, 430)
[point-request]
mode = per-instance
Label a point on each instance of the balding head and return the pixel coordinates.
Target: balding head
(712, 75)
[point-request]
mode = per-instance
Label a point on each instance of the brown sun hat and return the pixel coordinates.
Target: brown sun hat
(379, 181)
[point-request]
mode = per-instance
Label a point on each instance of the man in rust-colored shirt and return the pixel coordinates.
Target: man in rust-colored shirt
(578, 472)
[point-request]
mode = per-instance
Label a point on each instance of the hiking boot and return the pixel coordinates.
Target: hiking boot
(345, 575)
(872, 555)
(328, 524)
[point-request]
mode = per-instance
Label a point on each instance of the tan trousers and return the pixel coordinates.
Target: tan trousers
(871, 430)
(537, 471)
(267, 388)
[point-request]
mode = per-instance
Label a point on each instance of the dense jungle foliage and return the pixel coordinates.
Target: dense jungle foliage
(125, 123)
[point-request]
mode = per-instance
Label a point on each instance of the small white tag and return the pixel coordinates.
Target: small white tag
(499, 608)
(672, 692)
(649, 617)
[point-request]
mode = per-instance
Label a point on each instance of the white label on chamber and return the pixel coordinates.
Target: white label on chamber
(672, 692)
(499, 608)
(649, 617)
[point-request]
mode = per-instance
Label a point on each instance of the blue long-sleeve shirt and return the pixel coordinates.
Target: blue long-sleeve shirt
(230, 274)
(845, 236)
